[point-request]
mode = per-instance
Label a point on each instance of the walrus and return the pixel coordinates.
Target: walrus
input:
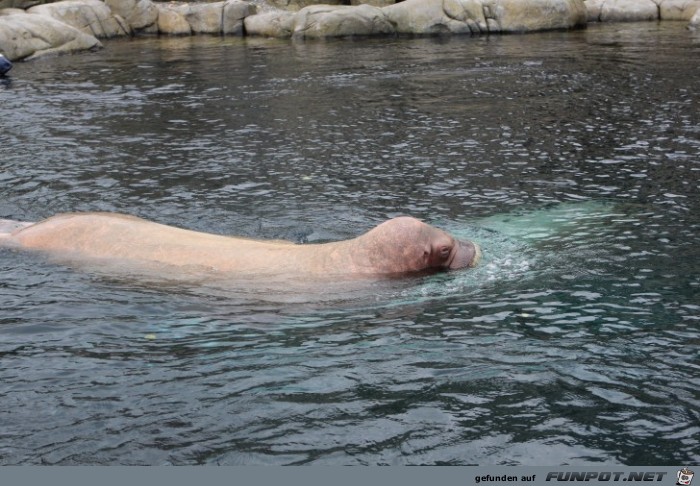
(399, 246)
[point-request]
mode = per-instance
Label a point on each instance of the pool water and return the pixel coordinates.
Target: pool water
(571, 157)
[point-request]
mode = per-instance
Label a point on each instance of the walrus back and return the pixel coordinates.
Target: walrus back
(116, 237)
(10, 226)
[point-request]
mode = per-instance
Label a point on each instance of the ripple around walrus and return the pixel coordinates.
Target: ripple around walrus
(570, 156)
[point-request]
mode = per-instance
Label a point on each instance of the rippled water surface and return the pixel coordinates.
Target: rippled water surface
(571, 157)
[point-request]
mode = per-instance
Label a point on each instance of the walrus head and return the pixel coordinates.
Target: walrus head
(406, 244)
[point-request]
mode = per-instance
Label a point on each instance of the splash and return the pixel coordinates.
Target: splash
(525, 245)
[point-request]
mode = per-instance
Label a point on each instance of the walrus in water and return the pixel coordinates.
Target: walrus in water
(398, 246)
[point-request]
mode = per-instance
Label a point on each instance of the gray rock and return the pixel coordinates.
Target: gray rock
(11, 11)
(234, 15)
(534, 15)
(695, 22)
(340, 21)
(276, 23)
(629, 11)
(171, 21)
(296, 5)
(594, 9)
(678, 9)
(27, 36)
(90, 16)
(479, 16)
(204, 18)
(140, 15)
(421, 17)
(373, 3)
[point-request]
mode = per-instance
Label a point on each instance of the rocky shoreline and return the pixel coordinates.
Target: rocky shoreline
(29, 30)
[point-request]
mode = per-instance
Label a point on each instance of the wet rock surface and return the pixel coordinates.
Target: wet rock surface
(30, 30)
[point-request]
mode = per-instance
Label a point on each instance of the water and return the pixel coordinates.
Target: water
(572, 158)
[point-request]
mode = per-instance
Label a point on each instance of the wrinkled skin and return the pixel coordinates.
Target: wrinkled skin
(398, 246)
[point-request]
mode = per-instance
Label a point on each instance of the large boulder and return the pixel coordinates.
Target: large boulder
(140, 15)
(275, 23)
(640, 10)
(296, 5)
(90, 16)
(234, 15)
(424, 17)
(477, 16)
(171, 21)
(628, 11)
(373, 3)
(340, 21)
(594, 9)
(678, 9)
(11, 11)
(26, 36)
(695, 22)
(534, 15)
(205, 18)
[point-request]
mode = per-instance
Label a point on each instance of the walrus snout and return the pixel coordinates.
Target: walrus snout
(467, 255)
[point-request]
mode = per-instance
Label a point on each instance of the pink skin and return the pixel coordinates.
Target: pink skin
(398, 246)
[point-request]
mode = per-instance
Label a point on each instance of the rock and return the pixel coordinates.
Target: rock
(629, 11)
(421, 17)
(277, 23)
(534, 15)
(90, 16)
(479, 16)
(373, 3)
(678, 9)
(205, 18)
(140, 15)
(296, 5)
(24, 35)
(695, 22)
(172, 22)
(639, 10)
(234, 14)
(340, 21)
(594, 9)
(11, 11)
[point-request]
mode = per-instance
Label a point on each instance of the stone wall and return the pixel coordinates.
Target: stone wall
(31, 28)
(640, 10)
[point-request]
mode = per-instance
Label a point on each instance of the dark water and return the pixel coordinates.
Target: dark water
(571, 157)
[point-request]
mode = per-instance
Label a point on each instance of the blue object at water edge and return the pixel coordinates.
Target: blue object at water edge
(5, 65)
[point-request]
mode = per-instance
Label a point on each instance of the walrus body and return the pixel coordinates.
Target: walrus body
(398, 246)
